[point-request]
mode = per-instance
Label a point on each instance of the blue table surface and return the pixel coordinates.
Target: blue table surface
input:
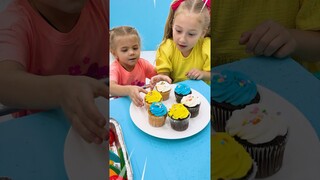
(187, 158)
(32, 147)
(288, 79)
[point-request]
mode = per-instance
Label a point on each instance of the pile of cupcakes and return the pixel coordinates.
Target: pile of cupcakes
(238, 112)
(187, 106)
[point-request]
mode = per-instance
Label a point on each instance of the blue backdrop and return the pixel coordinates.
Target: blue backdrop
(147, 16)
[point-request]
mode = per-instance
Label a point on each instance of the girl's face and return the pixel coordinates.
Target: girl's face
(186, 31)
(127, 51)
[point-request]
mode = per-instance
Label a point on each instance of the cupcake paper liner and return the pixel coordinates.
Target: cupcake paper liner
(268, 156)
(180, 125)
(194, 111)
(165, 95)
(180, 96)
(156, 121)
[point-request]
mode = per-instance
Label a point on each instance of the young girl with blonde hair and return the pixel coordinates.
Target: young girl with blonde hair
(184, 52)
(128, 72)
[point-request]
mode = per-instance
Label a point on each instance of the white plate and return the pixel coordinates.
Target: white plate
(139, 116)
(82, 160)
(302, 154)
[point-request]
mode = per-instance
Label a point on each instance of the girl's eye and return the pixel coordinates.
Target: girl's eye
(136, 48)
(191, 34)
(124, 50)
(178, 31)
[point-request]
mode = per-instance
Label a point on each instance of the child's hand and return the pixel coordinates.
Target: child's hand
(157, 78)
(134, 93)
(77, 101)
(195, 74)
(269, 39)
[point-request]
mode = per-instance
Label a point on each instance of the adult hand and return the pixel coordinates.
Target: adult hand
(269, 39)
(77, 101)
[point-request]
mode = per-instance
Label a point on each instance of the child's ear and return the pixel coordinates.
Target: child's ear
(113, 53)
(204, 32)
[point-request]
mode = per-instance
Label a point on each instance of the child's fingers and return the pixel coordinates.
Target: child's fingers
(143, 91)
(255, 37)
(245, 37)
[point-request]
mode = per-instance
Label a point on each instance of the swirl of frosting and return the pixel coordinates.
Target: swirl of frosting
(178, 111)
(158, 109)
(163, 86)
(182, 89)
(232, 87)
(229, 159)
(257, 123)
(190, 100)
(153, 96)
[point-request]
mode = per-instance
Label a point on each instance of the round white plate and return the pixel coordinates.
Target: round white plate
(302, 153)
(83, 160)
(139, 116)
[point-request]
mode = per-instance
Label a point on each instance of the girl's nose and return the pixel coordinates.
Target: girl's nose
(183, 38)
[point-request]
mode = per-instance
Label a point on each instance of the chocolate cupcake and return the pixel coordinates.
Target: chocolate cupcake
(181, 90)
(179, 117)
(263, 133)
(192, 103)
(230, 91)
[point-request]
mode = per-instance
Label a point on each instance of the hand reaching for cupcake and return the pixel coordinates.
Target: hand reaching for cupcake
(134, 93)
(157, 78)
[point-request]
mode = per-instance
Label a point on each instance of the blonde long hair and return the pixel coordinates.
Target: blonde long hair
(194, 6)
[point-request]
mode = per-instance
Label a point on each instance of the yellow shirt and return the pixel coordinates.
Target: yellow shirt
(230, 18)
(170, 60)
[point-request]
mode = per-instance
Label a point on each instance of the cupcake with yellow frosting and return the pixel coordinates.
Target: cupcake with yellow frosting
(157, 114)
(179, 117)
(151, 97)
(229, 160)
(164, 88)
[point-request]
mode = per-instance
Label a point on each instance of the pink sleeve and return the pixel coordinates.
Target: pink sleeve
(114, 72)
(13, 38)
(149, 69)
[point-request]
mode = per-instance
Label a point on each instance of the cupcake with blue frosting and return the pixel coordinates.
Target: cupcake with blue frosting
(181, 90)
(157, 114)
(230, 91)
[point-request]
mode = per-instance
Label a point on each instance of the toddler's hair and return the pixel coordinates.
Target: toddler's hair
(121, 31)
(193, 6)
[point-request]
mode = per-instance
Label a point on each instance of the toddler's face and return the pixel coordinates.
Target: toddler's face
(127, 51)
(186, 31)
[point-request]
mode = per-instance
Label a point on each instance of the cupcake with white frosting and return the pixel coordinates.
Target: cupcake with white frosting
(192, 103)
(263, 133)
(164, 88)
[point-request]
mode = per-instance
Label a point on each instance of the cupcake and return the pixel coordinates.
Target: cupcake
(179, 117)
(230, 91)
(229, 160)
(180, 91)
(157, 114)
(192, 103)
(263, 133)
(164, 88)
(152, 96)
